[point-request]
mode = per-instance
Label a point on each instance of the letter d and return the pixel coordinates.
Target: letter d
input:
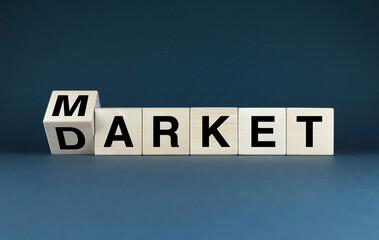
(62, 141)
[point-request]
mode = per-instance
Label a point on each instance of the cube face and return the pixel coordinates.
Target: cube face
(72, 106)
(118, 131)
(69, 121)
(166, 131)
(310, 131)
(262, 131)
(214, 131)
(63, 136)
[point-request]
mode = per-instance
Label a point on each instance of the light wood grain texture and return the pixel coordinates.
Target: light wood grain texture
(181, 115)
(228, 130)
(129, 131)
(323, 131)
(276, 122)
(60, 119)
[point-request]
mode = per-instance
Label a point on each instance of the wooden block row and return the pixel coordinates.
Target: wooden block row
(75, 124)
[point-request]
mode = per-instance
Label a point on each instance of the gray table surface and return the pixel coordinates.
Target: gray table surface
(181, 197)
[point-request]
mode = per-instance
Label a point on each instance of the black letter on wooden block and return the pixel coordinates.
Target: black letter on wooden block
(118, 121)
(157, 131)
(309, 127)
(63, 100)
(255, 131)
(208, 131)
(62, 142)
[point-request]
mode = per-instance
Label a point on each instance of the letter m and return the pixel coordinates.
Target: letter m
(63, 100)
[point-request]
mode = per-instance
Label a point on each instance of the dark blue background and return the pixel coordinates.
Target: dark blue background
(186, 53)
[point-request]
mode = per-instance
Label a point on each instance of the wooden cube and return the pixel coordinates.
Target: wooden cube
(214, 131)
(118, 131)
(310, 131)
(69, 121)
(262, 131)
(166, 131)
